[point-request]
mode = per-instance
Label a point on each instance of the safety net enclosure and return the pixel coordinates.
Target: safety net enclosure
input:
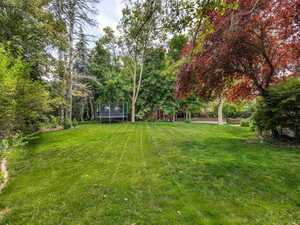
(112, 111)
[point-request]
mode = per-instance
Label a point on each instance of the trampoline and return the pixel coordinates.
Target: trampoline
(112, 111)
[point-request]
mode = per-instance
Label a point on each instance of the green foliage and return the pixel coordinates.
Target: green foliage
(157, 89)
(16, 141)
(191, 104)
(245, 122)
(248, 122)
(32, 105)
(4, 145)
(280, 107)
(51, 122)
(68, 123)
(157, 92)
(27, 29)
(75, 123)
(175, 46)
(1, 177)
(104, 64)
(24, 103)
(230, 110)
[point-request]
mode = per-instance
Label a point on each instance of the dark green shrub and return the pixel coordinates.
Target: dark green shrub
(245, 122)
(75, 123)
(248, 122)
(24, 103)
(68, 124)
(279, 108)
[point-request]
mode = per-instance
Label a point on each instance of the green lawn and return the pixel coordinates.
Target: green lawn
(152, 173)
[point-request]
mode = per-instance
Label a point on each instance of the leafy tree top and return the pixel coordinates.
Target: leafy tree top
(251, 48)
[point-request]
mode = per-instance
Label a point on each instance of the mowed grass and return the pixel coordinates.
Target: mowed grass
(152, 174)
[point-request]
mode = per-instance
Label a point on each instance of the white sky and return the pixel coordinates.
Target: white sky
(109, 13)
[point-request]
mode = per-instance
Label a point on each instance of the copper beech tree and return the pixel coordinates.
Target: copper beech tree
(250, 49)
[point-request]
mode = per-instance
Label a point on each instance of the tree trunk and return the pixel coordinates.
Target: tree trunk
(275, 133)
(133, 112)
(220, 112)
(70, 67)
(61, 58)
(62, 115)
(82, 111)
(92, 109)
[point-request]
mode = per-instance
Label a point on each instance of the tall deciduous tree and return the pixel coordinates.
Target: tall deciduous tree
(251, 48)
(105, 64)
(75, 14)
(28, 26)
(138, 28)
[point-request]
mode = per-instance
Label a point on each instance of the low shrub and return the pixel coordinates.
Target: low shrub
(51, 122)
(75, 123)
(279, 108)
(248, 122)
(68, 124)
(17, 141)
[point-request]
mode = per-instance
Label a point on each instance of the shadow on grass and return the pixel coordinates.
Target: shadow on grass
(229, 166)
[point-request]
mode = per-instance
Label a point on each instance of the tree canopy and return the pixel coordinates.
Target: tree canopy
(251, 48)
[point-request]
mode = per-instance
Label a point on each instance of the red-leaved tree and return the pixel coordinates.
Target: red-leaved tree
(252, 47)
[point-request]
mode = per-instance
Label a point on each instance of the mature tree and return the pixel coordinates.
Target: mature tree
(138, 28)
(105, 65)
(75, 14)
(157, 99)
(24, 102)
(251, 48)
(157, 93)
(81, 88)
(27, 30)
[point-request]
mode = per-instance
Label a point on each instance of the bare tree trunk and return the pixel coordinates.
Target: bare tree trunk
(70, 66)
(190, 115)
(136, 87)
(133, 112)
(82, 111)
(220, 112)
(62, 115)
(92, 109)
(61, 58)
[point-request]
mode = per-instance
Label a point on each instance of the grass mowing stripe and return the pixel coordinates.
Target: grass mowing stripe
(121, 157)
(145, 170)
(122, 178)
(170, 165)
(109, 141)
(162, 201)
(176, 213)
(107, 137)
(99, 139)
